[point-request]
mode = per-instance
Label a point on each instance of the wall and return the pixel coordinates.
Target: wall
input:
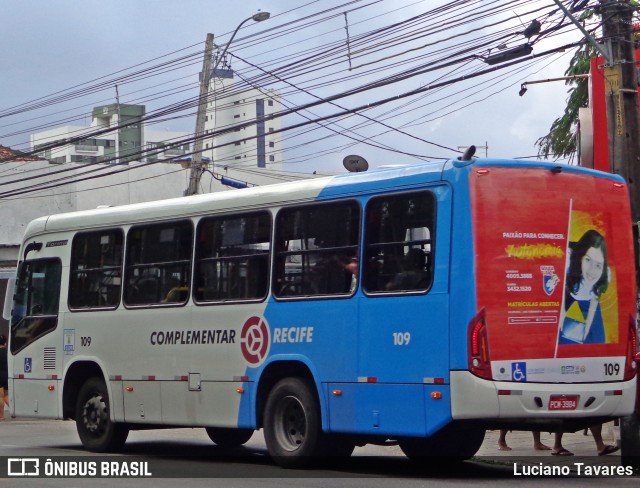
(138, 182)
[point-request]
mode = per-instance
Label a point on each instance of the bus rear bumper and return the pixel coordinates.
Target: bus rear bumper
(476, 398)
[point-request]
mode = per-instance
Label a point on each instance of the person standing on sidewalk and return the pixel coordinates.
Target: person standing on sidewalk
(537, 443)
(596, 430)
(4, 376)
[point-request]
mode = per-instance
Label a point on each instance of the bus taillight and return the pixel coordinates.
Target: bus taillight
(632, 343)
(478, 347)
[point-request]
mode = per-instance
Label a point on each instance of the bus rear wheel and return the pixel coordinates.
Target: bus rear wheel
(225, 437)
(97, 432)
(292, 426)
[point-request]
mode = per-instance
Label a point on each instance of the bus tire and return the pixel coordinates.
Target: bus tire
(453, 442)
(229, 437)
(97, 432)
(292, 425)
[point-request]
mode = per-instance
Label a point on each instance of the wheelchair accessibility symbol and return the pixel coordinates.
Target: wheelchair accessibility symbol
(27, 365)
(519, 371)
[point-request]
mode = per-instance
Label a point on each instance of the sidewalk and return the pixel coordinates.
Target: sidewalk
(521, 443)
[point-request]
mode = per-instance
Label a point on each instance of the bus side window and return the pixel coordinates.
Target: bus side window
(158, 263)
(95, 279)
(399, 236)
(36, 304)
(317, 249)
(232, 257)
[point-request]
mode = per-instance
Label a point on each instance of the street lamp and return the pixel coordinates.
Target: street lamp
(196, 158)
(523, 86)
(257, 17)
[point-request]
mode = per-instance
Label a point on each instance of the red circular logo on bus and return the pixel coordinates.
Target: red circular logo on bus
(254, 340)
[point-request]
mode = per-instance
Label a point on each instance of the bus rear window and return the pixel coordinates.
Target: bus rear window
(315, 246)
(399, 234)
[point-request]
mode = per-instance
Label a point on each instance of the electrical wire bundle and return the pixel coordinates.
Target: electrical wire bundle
(368, 73)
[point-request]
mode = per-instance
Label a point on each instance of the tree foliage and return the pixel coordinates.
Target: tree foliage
(561, 141)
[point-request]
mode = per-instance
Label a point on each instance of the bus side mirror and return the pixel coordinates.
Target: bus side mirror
(8, 298)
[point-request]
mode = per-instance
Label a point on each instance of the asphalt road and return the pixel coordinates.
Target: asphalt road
(186, 457)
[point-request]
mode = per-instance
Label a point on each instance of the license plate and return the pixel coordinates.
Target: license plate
(563, 402)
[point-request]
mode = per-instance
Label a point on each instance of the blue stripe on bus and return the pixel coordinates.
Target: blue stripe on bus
(365, 182)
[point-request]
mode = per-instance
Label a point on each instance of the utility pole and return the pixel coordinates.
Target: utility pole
(622, 97)
(196, 157)
(624, 151)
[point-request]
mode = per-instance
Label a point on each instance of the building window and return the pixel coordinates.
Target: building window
(237, 116)
(272, 158)
(271, 129)
(272, 144)
(232, 258)
(84, 159)
(270, 103)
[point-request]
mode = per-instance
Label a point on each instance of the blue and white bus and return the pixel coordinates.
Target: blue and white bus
(420, 304)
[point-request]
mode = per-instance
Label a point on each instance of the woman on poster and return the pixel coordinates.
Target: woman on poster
(587, 279)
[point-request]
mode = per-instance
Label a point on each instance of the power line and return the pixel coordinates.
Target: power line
(173, 109)
(328, 117)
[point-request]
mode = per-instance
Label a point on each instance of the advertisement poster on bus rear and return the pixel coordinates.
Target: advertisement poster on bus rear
(552, 272)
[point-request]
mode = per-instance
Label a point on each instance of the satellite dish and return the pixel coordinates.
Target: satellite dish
(468, 154)
(355, 164)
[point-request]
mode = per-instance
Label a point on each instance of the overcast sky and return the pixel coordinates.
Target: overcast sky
(52, 46)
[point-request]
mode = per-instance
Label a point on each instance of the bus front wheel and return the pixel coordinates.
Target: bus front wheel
(292, 425)
(97, 432)
(225, 437)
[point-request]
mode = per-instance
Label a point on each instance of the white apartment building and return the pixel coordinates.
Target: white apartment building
(257, 145)
(116, 146)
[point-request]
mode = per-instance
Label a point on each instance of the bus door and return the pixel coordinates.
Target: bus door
(35, 349)
(403, 337)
